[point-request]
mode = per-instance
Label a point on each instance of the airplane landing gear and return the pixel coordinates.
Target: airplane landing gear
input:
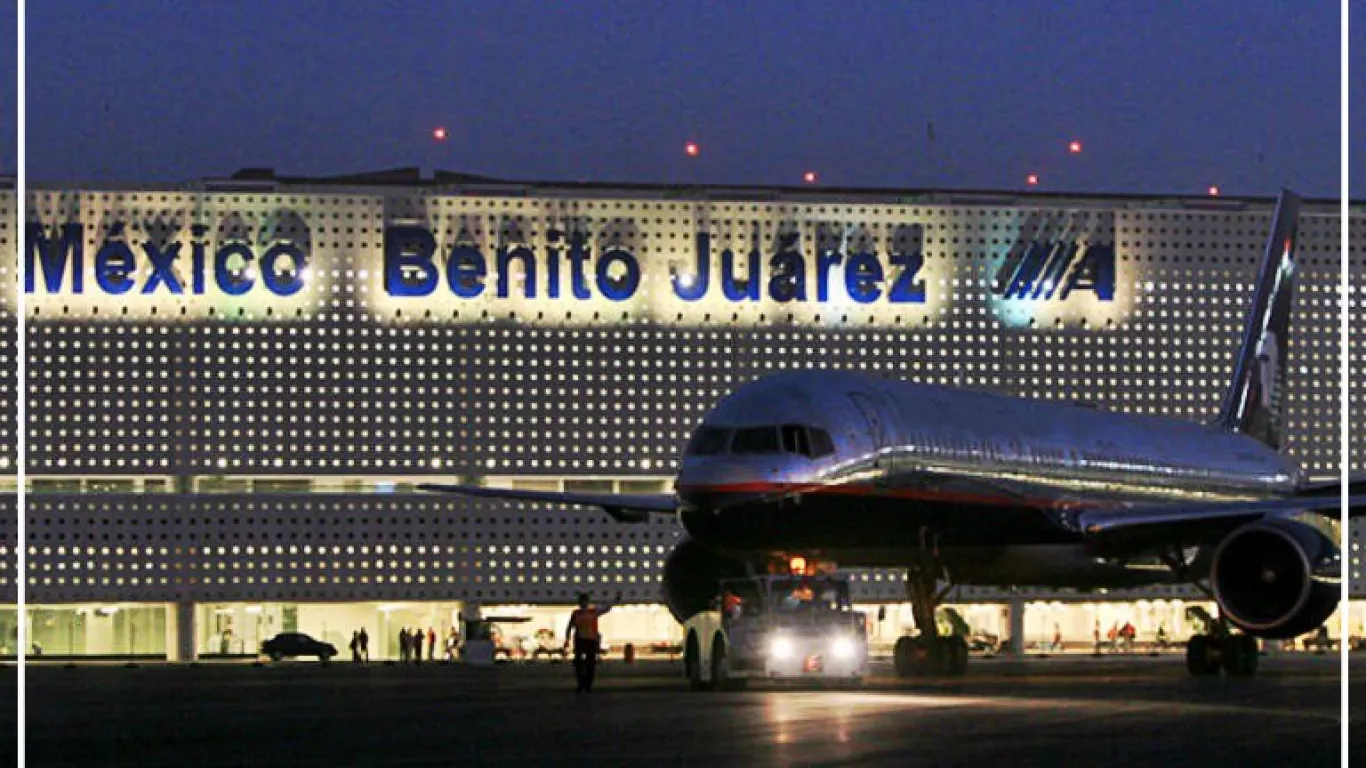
(1237, 655)
(1218, 647)
(928, 653)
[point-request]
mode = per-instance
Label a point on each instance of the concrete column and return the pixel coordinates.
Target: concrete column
(171, 636)
(1017, 627)
(470, 609)
(180, 633)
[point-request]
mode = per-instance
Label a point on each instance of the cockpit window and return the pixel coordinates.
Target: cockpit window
(755, 440)
(795, 439)
(821, 445)
(789, 438)
(709, 441)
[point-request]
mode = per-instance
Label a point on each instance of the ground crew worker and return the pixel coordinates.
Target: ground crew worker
(583, 629)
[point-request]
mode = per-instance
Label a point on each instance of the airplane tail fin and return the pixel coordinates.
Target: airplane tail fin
(1256, 396)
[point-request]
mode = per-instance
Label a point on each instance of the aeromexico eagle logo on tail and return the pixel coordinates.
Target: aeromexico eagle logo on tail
(1254, 404)
(1263, 403)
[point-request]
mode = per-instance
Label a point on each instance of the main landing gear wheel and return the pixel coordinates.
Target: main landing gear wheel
(1240, 655)
(1236, 655)
(1203, 656)
(1207, 653)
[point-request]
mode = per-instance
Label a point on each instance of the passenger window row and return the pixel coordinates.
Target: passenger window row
(812, 442)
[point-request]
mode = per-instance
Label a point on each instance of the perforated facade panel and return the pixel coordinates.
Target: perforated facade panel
(9, 295)
(337, 547)
(9, 245)
(313, 336)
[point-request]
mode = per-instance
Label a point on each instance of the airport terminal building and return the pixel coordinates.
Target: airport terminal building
(234, 385)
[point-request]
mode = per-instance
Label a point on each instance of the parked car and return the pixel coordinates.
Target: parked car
(985, 642)
(510, 647)
(547, 645)
(483, 641)
(1320, 642)
(292, 644)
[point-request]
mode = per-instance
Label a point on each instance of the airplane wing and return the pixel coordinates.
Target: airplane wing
(1356, 486)
(1138, 527)
(622, 507)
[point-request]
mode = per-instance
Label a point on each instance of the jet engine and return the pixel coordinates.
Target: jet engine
(690, 578)
(1276, 578)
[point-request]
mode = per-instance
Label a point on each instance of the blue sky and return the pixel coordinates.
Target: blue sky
(1165, 97)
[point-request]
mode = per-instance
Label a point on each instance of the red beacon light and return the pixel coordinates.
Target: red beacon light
(1074, 147)
(1214, 190)
(692, 149)
(809, 177)
(439, 133)
(1032, 180)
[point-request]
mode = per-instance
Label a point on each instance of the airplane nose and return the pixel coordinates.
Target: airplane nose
(694, 485)
(715, 497)
(705, 483)
(701, 478)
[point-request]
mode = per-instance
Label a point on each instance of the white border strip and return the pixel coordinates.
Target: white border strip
(1344, 370)
(22, 354)
(22, 357)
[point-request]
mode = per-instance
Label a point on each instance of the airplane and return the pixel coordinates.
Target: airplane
(976, 488)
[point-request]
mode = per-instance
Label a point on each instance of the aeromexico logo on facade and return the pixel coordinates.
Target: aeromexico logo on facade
(564, 266)
(1044, 269)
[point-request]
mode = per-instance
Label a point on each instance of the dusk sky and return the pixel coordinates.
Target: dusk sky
(9, 93)
(1165, 96)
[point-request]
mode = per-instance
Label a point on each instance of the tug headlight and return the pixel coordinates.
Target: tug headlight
(780, 647)
(842, 648)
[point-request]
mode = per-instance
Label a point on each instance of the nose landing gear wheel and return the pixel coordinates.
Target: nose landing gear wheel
(957, 656)
(928, 653)
(902, 660)
(916, 656)
(1237, 655)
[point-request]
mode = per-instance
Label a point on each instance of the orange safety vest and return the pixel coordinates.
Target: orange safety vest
(585, 623)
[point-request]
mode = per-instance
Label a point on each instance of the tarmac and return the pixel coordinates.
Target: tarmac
(1076, 710)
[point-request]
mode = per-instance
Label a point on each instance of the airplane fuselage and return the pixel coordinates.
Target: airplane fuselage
(988, 481)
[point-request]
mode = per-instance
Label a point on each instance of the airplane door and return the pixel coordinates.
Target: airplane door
(870, 406)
